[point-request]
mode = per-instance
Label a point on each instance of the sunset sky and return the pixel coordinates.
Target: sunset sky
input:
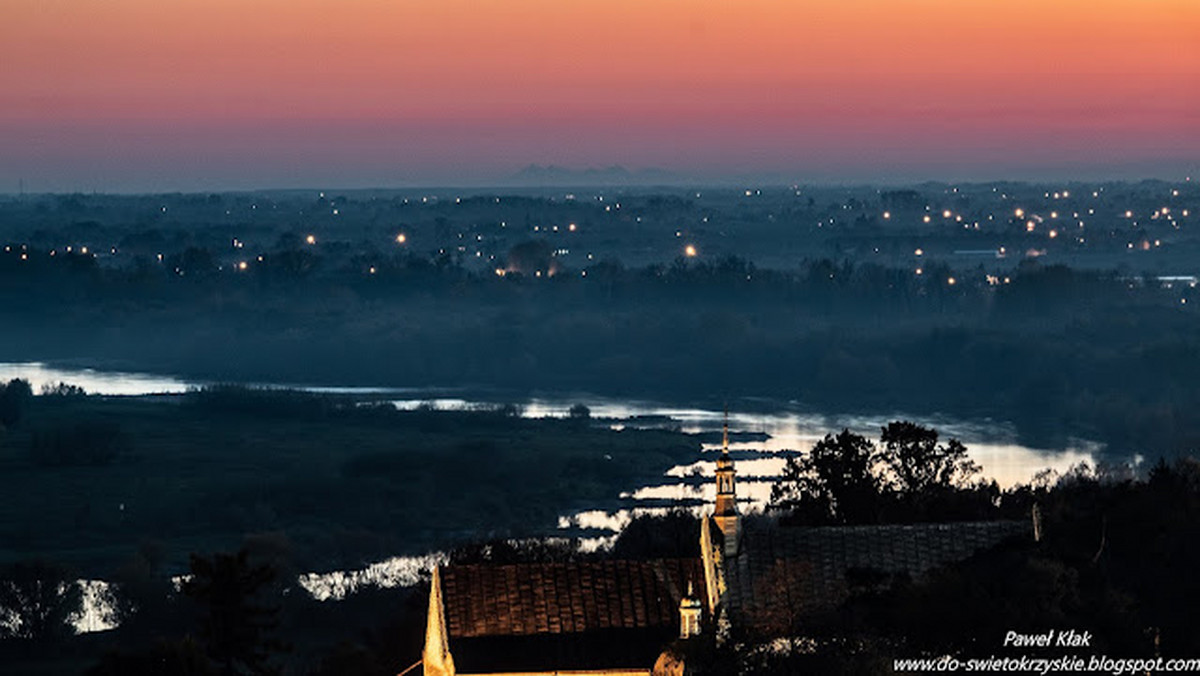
(120, 95)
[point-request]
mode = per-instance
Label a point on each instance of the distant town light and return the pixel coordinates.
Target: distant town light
(1019, 213)
(919, 252)
(311, 239)
(242, 265)
(401, 238)
(690, 251)
(887, 215)
(927, 219)
(946, 213)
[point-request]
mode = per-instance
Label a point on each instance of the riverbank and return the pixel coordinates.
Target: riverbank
(338, 483)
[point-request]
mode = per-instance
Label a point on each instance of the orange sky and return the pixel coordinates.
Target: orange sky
(462, 88)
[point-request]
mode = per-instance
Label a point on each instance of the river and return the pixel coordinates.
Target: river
(775, 426)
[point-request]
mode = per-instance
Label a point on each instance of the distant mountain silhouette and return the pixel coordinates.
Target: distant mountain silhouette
(536, 174)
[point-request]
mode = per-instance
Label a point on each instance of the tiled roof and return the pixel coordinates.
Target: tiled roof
(605, 649)
(565, 598)
(783, 574)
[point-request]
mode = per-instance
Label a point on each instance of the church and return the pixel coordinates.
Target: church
(637, 618)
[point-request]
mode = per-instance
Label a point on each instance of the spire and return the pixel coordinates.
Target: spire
(726, 492)
(436, 656)
(725, 433)
(725, 512)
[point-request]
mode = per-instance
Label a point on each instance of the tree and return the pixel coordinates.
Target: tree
(532, 256)
(143, 598)
(236, 628)
(14, 399)
(37, 601)
(916, 464)
(63, 390)
(178, 658)
(834, 482)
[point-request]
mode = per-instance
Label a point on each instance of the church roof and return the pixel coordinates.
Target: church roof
(783, 574)
(561, 598)
(525, 617)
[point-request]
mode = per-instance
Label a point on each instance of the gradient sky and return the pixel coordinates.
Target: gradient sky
(118, 95)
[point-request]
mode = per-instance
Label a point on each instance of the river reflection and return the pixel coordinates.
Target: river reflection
(785, 426)
(778, 433)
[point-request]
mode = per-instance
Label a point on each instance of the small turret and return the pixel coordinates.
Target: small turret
(689, 614)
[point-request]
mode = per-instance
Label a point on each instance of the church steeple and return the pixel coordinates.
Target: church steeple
(725, 513)
(436, 657)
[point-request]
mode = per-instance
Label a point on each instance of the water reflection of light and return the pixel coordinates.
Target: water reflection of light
(399, 571)
(750, 467)
(989, 444)
(443, 404)
(96, 612)
(756, 493)
(1011, 464)
(598, 519)
(669, 492)
(40, 375)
